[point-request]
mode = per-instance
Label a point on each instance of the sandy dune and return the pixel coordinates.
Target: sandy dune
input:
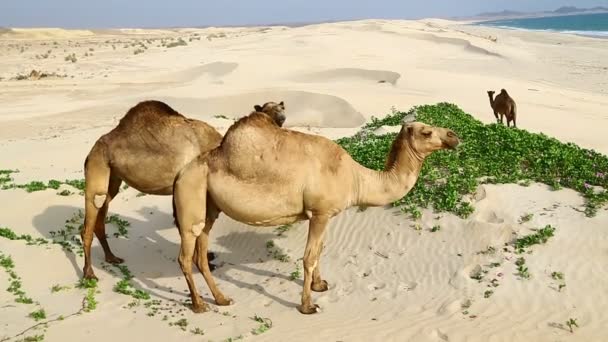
(388, 280)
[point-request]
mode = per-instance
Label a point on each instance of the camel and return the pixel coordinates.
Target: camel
(262, 175)
(504, 105)
(147, 149)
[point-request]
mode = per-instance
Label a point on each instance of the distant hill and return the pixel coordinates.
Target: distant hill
(573, 9)
(505, 13)
(560, 11)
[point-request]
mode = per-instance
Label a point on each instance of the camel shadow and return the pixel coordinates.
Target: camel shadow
(157, 242)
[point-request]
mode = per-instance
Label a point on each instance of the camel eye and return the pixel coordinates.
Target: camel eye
(427, 133)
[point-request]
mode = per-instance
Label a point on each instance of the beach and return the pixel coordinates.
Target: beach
(387, 280)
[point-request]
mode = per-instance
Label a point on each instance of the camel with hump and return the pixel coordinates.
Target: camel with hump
(146, 150)
(262, 175)
(504, 105)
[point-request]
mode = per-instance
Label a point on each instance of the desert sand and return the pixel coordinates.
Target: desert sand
(388, 281)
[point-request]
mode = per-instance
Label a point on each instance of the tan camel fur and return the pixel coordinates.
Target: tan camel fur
(263, 175)
(147, 149)
(504, 105)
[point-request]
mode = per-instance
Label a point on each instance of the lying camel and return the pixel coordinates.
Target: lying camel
(262, 175)
(504, 105)
(147, 149)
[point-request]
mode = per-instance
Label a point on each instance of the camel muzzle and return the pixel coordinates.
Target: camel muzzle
(452, 141)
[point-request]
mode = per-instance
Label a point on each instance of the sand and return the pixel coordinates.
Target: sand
(388, 281)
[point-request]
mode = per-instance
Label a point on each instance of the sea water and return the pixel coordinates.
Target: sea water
(594, 25)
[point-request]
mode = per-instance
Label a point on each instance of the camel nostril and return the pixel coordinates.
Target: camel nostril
(451, 134)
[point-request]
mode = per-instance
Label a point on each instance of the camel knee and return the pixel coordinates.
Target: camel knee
(198, 228)
(99, 200)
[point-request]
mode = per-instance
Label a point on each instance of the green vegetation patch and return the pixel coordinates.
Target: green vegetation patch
(488, 154)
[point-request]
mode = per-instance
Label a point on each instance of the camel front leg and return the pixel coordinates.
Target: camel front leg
(100, 224)
(318, 284)
(311, 256)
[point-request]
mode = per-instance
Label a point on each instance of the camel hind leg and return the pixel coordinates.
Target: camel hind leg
(312, 251)
(201, 258)
(189, 196)
(97, 179)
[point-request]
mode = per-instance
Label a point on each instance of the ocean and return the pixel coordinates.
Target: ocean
(593, 25)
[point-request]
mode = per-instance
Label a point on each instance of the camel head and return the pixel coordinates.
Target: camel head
(491, 93)
(275, 110)
(425, 139)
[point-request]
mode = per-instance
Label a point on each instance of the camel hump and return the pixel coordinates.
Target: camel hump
(504, 91)
(148, 111)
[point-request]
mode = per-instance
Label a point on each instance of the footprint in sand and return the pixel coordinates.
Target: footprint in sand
(375, 287)
(438, 334)
(409, 286)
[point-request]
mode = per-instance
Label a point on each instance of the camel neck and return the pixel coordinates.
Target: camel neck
(491, 100)
(403, 165)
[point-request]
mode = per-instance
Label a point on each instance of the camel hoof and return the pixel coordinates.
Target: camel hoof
(308, 310)
(224, 301)
(113, 259)
(320, 287)
(211, 256)
(199, 308)
(88, 274)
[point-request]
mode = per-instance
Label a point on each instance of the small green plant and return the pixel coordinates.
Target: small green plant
(526, 218)
(540, 237)
(64, 193)
(488, 293)
(71, 58)
(182, 324)
(197, 331)
(522, 269)
(221, 116)
(124, 286)
(56, 288)
(33, 338)
(488, 251)
(90, 302)
(557, 275)
(435, 228)
(179, 42)
(571, 323)
(7, 263)
(121, 225)
(265, 325)
(38, 315)
(295, 274)
(276, 253)
(282, 229)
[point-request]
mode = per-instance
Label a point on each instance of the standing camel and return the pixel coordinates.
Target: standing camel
(262, 175)
(504, 105)
(147, 149)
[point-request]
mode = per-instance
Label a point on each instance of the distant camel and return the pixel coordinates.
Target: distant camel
(503, 105)
(263, 175)
(147, 149)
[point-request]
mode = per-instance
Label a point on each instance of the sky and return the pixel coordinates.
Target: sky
(171, 13)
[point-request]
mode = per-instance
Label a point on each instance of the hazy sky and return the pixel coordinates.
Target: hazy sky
(159, 13)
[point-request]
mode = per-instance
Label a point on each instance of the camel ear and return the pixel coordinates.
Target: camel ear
(281, 103)
(257, 108)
